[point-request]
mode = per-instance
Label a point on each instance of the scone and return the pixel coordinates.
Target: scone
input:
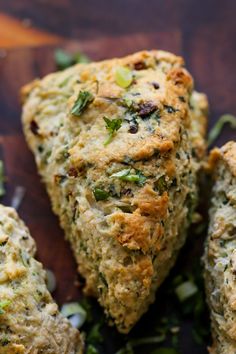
(118, 144)
(220, 252)
(29, 318)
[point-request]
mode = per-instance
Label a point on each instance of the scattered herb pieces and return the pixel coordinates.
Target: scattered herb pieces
(160, 185)
(100, 194)
(126, 175)
(75, 313)
(185, 290)
(112, 126)
(18, 196)
(123, 77)
(81, 103)
(3, 305)
(2, 189)
(216, 130)
(65, 60)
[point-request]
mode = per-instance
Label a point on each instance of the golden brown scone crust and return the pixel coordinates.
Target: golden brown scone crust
(124, 245)
(30, 322)
(220, 251)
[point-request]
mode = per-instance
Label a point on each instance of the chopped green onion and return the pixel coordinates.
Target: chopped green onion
(123, 76)
(100, 194)
(74, 309)
(81, 58)
(51, 280)
(18, 196)
(81, 103)
(112, 125)
(216, 130)
(126, 175)
(185, 290)
(3, 305)
(2, 189)
(65, 60)
(147, 340)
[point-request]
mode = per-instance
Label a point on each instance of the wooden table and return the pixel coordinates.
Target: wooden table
(204, 32)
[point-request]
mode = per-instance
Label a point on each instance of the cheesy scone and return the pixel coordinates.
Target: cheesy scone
(30, 322)
(118, 144)
(220, 252)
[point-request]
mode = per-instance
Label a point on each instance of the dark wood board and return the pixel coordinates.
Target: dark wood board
(213, 69)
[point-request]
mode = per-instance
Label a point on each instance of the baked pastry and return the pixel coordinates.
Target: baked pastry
(29, 318)
(220, 252)
(118, 144)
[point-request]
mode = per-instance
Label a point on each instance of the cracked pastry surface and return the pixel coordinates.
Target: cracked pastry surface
(120, 165)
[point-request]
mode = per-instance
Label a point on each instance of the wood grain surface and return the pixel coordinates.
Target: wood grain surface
(203, 32)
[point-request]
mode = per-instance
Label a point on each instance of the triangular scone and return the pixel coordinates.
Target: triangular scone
(29, 318)
(220, 251)
(124, 197)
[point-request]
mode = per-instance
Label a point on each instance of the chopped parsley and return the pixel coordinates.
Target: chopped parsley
(216, 130)
(3, 305)
(81, 103)
(64, 59)
(160, 185)
(2, 189)
(127, 175)
(100, 194)
(112, 126)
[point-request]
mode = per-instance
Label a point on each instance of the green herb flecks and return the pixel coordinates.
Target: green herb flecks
(64, 59)
(185, 290)
(2, 189)
(127, 175)
(74, 309)
(100, 194)
(123, 76)
(216, 130)
(160, 185)
(3, 305)
(81, 103)
(4, 341)
(112, 126)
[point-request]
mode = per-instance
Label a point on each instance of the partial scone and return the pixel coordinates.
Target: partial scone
(220, 252)
(30, 322)
(118, 145)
